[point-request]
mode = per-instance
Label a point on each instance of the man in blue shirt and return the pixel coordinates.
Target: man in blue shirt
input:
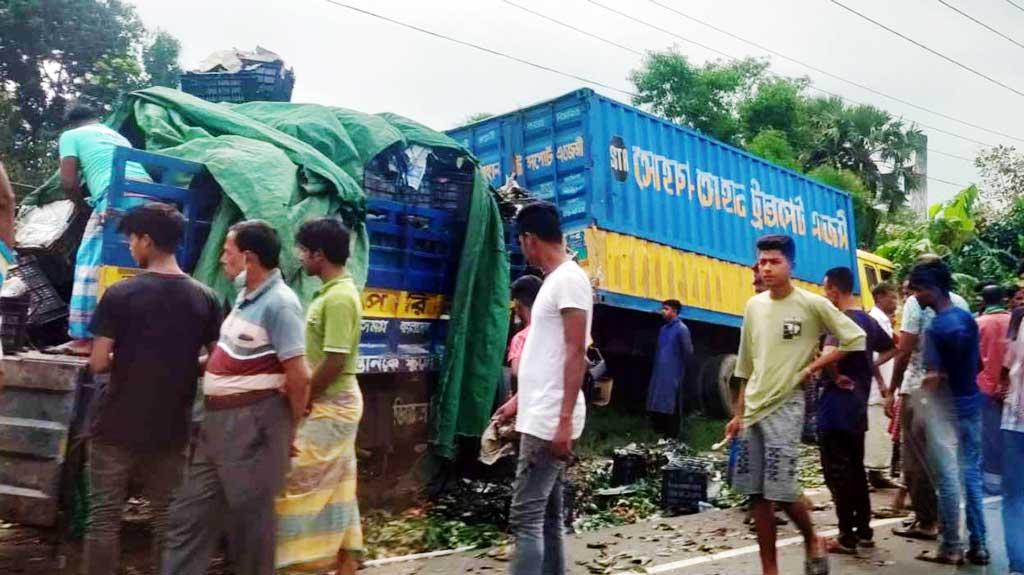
(674, 349)
(953, 418)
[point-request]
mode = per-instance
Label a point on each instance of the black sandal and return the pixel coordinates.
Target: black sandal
(941, 559)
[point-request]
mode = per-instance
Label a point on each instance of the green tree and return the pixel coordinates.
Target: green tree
(1002, 172)
(160, 60)
(777, 104)
(773, 146)
(52, 52)
(702, 97)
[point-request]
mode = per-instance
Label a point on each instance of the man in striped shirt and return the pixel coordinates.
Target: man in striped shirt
(256, 390)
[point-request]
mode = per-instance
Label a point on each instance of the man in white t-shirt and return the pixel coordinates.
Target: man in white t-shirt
(550, 406)
(878, 446)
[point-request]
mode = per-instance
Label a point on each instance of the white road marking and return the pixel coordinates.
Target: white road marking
(738, 552)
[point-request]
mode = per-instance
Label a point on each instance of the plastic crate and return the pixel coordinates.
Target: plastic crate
(186, 185)
(266, 83)
(410, 247)
(684, 483)
(428, 245)
(387, 243)
(45, 303)
(14, 322)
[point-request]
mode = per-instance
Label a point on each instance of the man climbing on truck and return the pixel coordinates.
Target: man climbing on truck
(86, 170)
(778, 341)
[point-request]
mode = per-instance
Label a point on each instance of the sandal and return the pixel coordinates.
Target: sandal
(837, 546)
(915, 532)
(890, 513)
(941, 559)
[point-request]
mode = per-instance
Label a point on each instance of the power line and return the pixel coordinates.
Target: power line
(479, 47)
(571, 27)
(660, 29)
(830, 74)
(931, 50)
(940, 152)
(1015, 5)
(812, 87)
(979, 22)
(553, 70)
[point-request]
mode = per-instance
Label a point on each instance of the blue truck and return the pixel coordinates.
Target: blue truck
(654, 210)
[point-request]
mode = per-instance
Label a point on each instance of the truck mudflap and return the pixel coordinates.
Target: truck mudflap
(38, 418)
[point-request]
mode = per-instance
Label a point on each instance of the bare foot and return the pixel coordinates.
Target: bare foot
(77, 347)
(347, 563)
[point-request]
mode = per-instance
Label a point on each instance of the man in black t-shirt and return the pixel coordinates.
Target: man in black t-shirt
(842, 417)
(150, 330)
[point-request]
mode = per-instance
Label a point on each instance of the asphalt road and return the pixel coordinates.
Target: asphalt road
(718, 543)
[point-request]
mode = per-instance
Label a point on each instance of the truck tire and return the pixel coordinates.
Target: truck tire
(716, 388)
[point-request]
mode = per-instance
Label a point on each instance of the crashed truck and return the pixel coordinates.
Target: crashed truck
(652, 211)
(429, 251)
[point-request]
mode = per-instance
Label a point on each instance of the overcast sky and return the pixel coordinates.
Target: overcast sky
(348, 59)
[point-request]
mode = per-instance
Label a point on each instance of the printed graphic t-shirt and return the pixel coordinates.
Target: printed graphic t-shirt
(779, 338)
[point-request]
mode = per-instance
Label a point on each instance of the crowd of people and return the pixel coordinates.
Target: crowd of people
(273, 463)
(937, 400)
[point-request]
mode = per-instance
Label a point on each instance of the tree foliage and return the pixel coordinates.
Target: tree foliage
(161, 60)
(702, 97)
(54, 51)
(1002, 172)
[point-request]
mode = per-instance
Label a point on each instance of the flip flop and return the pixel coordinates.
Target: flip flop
(915, 532)
(930, 557)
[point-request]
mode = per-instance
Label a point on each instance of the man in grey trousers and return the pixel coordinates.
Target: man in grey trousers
(255, 393)
(549, 408)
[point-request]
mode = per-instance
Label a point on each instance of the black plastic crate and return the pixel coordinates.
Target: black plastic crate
(684, 484)
(14, 318)
(45, 305)
(628, 468)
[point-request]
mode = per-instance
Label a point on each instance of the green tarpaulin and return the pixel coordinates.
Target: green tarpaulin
(286, 163)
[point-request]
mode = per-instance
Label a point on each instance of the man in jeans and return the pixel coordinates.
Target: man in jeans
(1011, 391)
(778, 343)
(550, 405)
(149, 333)
(255, 393)
(907, 375)
(953, 414)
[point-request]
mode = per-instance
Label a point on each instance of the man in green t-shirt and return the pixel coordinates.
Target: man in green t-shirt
(778, 343)
(318, 511)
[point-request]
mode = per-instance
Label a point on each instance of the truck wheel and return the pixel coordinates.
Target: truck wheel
(716, 390)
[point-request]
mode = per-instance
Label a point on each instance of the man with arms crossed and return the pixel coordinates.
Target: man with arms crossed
(255, 394)
(779, 339)
(549, 403)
